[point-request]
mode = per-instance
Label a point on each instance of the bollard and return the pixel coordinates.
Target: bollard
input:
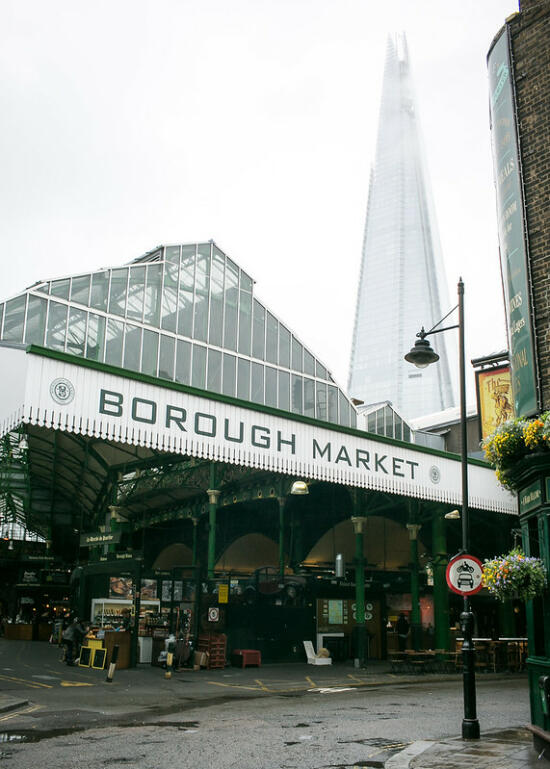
(169, 660)
(112, 665)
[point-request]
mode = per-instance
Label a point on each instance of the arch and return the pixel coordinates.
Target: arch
(386, 545)
(176, 554)
(248, 553)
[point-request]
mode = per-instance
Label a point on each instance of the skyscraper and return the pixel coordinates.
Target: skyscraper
(402, 282)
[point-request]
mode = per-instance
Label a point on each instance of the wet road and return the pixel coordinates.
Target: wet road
(330, 727)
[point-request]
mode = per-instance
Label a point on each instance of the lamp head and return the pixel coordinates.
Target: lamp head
(454, 515)
(422, 354)
(299, 487)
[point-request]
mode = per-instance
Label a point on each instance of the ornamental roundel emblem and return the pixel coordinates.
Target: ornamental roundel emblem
(435, 474)
(62, 391)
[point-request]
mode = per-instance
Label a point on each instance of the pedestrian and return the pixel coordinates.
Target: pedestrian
(402, 632)
(72, 638)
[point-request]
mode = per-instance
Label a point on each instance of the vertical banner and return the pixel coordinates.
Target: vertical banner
(510, 215)
(494, 398)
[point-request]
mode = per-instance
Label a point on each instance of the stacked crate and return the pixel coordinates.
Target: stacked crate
(214, 644)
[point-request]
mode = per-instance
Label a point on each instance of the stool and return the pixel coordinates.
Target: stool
(243, 657)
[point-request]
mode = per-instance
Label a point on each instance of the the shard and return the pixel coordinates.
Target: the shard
(402, 283)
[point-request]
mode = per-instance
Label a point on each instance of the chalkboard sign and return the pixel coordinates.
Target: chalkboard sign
(85, 657)
(98, 660)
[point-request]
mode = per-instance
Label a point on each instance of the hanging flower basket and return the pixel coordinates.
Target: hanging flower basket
(513, 441)
(514, 576)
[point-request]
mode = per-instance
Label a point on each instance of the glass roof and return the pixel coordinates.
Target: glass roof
(185, 313)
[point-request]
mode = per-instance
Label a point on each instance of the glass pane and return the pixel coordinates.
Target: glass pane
(406, 432)
(1, 317)
(216, 299)
(320, 370)
(170, 296)
(229, 372)
(344, 410)
(352, 417)
(296, 355)
(214, 377)
(100, 288)
(183, 362)
(96, 337)
(309, 363)
(172, 254)
(44, 288)
(231, 300)
(60, 288)
(284, 346)
(117, 294)
(113, 343)
(57, 326)
(297, 399)
(80, 289)
(132, 347)
(14, 319)
(245, 322)
(76, 331)
(243, 379)
(36, 320)
(167, 356)
(187, 282)
(332, 404)
(153, 295)
(284, 390)
(398, 428)
(388, 422)
(246, 282)
(309, 397)
(371, 423)
(270, 386)
(202, 288)
(198, 375)
(272, 339)
(149, 352)
(257, 387)
(136, 293)
(321, 410)
(258, 344)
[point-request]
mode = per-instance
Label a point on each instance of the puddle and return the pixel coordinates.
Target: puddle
(48, 734)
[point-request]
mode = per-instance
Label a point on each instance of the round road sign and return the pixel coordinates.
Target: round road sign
(464, 573)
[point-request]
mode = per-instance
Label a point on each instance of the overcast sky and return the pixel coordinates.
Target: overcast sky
(125, 125)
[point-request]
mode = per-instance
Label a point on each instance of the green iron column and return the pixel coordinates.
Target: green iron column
(416, 620)
(213, 495)
(281, 501)
(441, 591)
(361, 629)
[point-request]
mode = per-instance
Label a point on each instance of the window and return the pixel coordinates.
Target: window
(149, 352)
(100, 288)
(95, 337)
(245, 322)
(214, 378)
(216, 299)
(60, 288)
(297, 396)
(117, 293)
(309, 397)
(243, 379)
(198, 372)
(57, 326)
(113, 344)
(166, 357)
(231, 301)
(76, 331)
(229, 373)
(14, 318)
(321, 411)
(270, 386)
(332, 404)
(132, 347)
(296, 355)
(36, 320)
(202, 290)
(284, 346)
(80, 289)
(136, 293)
(153, 295)
(284, 390)
(187, 281)
(258, 343)
(170, 297)
(272, 339)
(257, 386)
(183, 362)
(309, 363)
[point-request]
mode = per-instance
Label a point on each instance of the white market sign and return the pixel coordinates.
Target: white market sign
(89, 401)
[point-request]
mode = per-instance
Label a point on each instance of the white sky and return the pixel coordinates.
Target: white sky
(127, 124)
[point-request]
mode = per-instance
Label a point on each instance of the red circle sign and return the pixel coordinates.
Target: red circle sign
(464, 574)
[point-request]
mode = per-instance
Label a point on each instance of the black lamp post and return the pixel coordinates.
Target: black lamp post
(421, 356)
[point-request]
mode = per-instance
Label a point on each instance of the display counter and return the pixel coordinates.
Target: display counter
(22, 631)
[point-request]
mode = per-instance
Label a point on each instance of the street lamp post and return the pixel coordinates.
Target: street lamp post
(359, 522)
(421, 356)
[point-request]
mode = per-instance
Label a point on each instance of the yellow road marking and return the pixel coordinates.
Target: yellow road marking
(310, 682)
(32, 684)
(234, 686)
(21, 712)
(355, 678)
(74, 683)
(263, 687)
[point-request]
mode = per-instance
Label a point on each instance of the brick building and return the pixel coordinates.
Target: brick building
(519, 74)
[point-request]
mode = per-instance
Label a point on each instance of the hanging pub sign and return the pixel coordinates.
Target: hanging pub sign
(494, 397)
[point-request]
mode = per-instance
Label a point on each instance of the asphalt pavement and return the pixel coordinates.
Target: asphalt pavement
(41, 697)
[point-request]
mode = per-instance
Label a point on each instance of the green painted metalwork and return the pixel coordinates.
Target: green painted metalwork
(212, 509)
(441, 591)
